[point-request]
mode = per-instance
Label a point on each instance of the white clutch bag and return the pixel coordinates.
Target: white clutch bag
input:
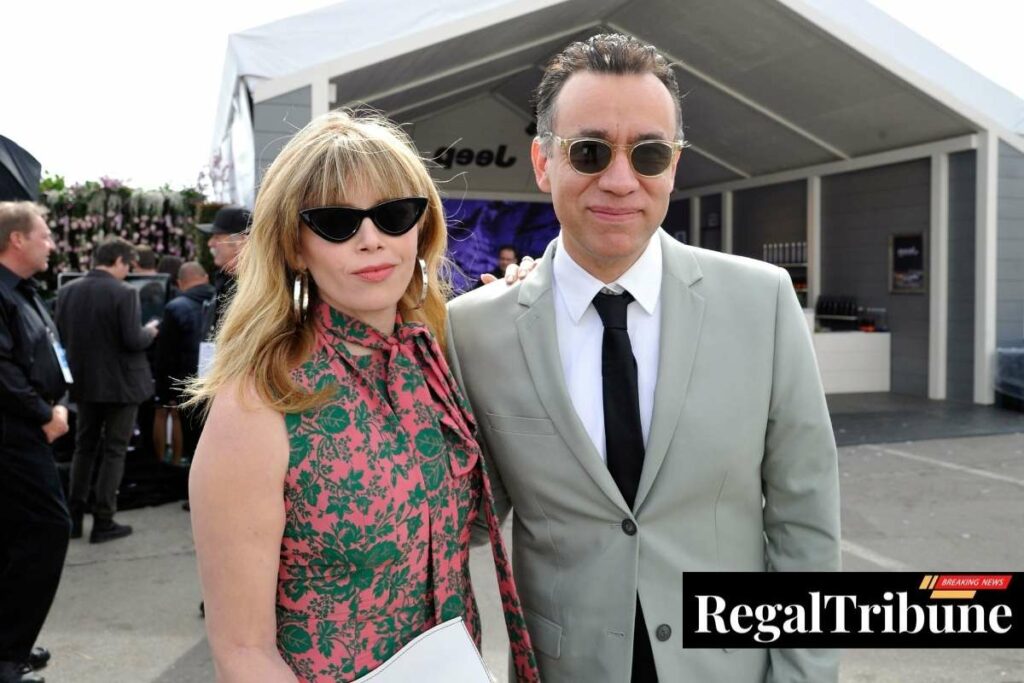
(445, 653)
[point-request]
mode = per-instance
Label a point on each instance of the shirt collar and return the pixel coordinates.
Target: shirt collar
(8, 277)
(578, 287)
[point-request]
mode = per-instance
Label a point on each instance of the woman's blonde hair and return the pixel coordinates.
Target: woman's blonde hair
(259, 342)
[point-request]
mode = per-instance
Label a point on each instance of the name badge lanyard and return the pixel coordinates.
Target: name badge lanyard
(58, 349)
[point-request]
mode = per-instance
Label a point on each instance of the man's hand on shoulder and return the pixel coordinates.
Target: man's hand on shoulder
(514, 273)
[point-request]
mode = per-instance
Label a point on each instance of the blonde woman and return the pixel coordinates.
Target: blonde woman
(337, 478)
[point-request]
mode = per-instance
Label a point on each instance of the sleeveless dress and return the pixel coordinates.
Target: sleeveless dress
(383, 485)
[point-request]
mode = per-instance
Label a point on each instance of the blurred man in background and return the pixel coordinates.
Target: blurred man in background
(227, 236)
(99, 320)
(34, 522)
(177, 358)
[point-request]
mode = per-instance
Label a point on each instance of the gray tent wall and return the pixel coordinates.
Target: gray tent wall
(1010, 291)
(821, 119)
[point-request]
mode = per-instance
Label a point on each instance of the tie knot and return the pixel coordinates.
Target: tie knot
(612, 309)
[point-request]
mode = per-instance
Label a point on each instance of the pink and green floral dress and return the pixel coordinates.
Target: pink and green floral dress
(384, 483)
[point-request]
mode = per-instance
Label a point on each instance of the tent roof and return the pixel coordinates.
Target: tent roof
(770, 86)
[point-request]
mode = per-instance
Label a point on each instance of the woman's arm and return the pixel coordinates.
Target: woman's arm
(236, 492)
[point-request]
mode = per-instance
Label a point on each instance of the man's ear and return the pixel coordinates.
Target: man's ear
(540, 165)
(17, 239)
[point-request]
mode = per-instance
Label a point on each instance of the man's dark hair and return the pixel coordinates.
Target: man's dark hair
(107, 251)
(510, 247)
(605, 53)
(145, 256)
(170, 265)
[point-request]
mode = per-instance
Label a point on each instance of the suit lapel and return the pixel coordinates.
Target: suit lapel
(682, 314)
(539, 339)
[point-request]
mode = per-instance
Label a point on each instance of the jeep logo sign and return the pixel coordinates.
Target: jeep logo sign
(448, 156)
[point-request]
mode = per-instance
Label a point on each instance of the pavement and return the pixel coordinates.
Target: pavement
(128, 610)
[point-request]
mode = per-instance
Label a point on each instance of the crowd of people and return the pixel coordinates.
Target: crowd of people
(647, 408)
(119, 357)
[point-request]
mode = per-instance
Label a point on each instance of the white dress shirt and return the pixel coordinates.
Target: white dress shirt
(581, 333)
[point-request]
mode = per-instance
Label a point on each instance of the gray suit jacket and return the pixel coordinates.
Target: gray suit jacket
(740, 472)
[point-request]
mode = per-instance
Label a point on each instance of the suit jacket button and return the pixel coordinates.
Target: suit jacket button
(629, 527)
(663, 632)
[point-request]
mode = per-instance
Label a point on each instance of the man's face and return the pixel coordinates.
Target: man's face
(224, 249)
(37, 245)
(607, 219)
(121, 269)
(506, 257)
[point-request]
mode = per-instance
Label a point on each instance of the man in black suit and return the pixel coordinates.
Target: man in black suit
(33, 516)
(99, 320)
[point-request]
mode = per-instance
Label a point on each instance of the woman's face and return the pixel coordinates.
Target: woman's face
(366, 275)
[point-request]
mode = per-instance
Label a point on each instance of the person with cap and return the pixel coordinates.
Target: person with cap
(34, 522)
(227, 235)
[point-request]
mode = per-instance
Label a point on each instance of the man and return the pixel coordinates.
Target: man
(507, 256)
(177, 349)
(99, 320)
(227, 236)
(34, 522)
(659, 411)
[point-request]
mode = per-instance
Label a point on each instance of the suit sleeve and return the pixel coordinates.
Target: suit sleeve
(799, 477)
(134, 336)
(17, 397)
(502, 504)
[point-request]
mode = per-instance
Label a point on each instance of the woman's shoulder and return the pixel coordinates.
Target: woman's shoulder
(240, 425)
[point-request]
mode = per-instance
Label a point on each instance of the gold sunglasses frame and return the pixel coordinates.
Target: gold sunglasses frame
(565, 143)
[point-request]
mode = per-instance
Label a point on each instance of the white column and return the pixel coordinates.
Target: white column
(727, 222)
(320, 96)
(695, 221)
(938, 279)
(813, 240)
(985, 227)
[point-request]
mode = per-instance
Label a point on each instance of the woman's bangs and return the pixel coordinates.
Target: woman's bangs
(370, 165)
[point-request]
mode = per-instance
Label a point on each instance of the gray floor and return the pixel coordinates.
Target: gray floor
(127, 611)
(891, 418)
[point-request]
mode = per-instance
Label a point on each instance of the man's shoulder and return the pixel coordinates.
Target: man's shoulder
(713, 266)
(94, 280)
(181, 302)
(497, 298)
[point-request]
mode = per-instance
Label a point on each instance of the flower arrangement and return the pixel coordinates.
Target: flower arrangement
(82, 215)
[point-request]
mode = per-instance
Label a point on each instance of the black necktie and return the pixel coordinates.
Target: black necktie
(624, 439)
(623, 433)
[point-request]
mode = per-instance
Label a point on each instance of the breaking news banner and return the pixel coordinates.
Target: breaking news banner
(852, 610)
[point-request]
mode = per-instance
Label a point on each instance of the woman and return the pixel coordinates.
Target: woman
(337, 478)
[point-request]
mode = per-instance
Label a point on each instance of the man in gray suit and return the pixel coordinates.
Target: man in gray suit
(659, 409)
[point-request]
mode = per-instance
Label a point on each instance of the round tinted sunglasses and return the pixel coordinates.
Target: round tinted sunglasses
(590, 156)
(340, 223)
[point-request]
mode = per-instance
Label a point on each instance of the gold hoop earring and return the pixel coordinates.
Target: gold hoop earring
(300, 297)
(423, 288)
